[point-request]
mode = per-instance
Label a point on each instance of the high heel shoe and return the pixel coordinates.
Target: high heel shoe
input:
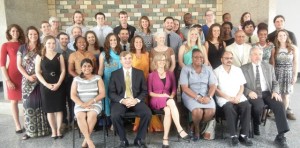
(165, 146)
(185, 138)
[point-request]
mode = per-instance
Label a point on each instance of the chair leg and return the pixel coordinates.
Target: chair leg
(104, 130)
(73, 131)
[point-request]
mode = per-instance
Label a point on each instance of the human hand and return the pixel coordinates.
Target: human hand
(10, 84)
(276, 97)
(252, 95)
(55, 86)
(31, 78)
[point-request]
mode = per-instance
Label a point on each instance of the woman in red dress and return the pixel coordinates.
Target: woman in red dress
(11, 75)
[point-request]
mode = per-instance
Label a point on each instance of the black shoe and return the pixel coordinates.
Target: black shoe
(123, 144)
(20, 131)
(139, 143)
(256, 130)
(234, 141)
(280, 140)
(245, 140)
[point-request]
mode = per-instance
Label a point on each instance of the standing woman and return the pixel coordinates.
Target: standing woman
(13, 78)
(214, 45)
(50, 71)
(145, 32)
(93, 46)
(226, 33)
(185, 51)
(176, 29)
(109, 61)
(35, 120)
(265, 46)
(284, 58)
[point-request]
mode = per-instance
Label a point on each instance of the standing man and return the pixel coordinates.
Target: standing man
(249, 27)
(279, 23)
(210, 19)
(230, 97)
(76, 32)
(124, 36)
(262, 88)
(123, 18)
(101, 29)
(126, 94)
(188, 21)
(239, 49)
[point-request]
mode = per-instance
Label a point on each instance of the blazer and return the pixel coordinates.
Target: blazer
(117, 87)
(269, 74)
(236, 59)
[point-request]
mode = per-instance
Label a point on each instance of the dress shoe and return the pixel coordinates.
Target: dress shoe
(139, 143)
(245, 140)
(234, 141)
(123, 144)
(256, 130)
(185, 138)
(291, 116)
(20, 131)
(280, 140)
(165, 145)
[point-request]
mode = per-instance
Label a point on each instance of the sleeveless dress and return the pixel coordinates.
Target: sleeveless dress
(187, 56)
(215, 54)
(52, 101)
(87, 89)
(284, 71)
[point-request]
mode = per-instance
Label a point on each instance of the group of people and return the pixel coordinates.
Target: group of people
(114, 70)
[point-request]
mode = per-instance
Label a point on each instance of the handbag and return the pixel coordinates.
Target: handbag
(209, 131)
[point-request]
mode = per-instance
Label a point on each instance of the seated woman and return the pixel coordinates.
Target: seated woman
(198, 84)
(162, 89)
(87, 91)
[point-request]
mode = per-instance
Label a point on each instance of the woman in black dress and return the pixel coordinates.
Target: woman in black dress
(50, 71)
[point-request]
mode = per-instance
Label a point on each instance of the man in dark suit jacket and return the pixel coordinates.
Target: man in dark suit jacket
(264, 90)
(130, 98)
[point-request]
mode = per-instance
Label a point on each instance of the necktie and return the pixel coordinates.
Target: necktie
(249, 39)
(124, 47)
(168, 40)
(258, 85)
(128, 85)
(101, 38)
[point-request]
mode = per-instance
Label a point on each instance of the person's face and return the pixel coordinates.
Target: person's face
(194, 35)
(262, 35)
(124, 35)
(63, 40)
(123, 18)
(78, 18)
(160, 39)
(50, 45)
(197, 58)
(113, 42)
(32, 35)
(145, 23)
(138, 44)
(100, 20)
(247, 17)
(188, 20)
(91, 39)
(240, 37)
(76, 32)
(216, 31)
(209, 16)
(126, 61)
(14, 32)
(87, 68)
(279, 23)
(256, 55)
(226, 29)
(45, 28)
(249, 29)
(227, 59)
(54, 23)
(282, 37)
(161, 62)
(81, 44)
(176, 25)
(169, 23)
(227, 18)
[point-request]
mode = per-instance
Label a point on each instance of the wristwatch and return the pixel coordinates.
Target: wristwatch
(210, 97)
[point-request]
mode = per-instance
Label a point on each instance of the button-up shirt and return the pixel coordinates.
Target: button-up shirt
(105, 30)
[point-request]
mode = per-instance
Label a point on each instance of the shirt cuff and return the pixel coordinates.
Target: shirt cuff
(138, 100)
(121, 101)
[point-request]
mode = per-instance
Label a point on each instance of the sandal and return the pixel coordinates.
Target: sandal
(167, 145)
(25, 137)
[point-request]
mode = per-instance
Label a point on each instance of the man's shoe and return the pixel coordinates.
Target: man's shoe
(123, 144)
(256, 130)
(290, 116)
(280, 140)
(245, 140)
(234, 141)
(139, 143)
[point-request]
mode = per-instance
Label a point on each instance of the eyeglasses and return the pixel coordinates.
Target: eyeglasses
(162, 60)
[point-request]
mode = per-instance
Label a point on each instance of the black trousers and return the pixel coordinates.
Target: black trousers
(276, 106)
(232, 112)
(141, 109)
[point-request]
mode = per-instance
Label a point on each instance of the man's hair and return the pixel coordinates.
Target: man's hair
(247, 23)
(122, 12)
(125, 53)
(62, 33)
(278, 16)
(99, 13)
(168, 17)
(223, 16)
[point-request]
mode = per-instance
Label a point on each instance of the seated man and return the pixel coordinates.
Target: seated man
(230, 97)
(126, 94)
(262, 88)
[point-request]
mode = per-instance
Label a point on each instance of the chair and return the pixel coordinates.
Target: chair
(264, 116)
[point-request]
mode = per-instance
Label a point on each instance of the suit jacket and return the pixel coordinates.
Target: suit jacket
(117, 87)
(236, 59)
(269, 74)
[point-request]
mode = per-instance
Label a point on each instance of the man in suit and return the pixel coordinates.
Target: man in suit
(239, 49)
(262, 88)
(127, 91)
